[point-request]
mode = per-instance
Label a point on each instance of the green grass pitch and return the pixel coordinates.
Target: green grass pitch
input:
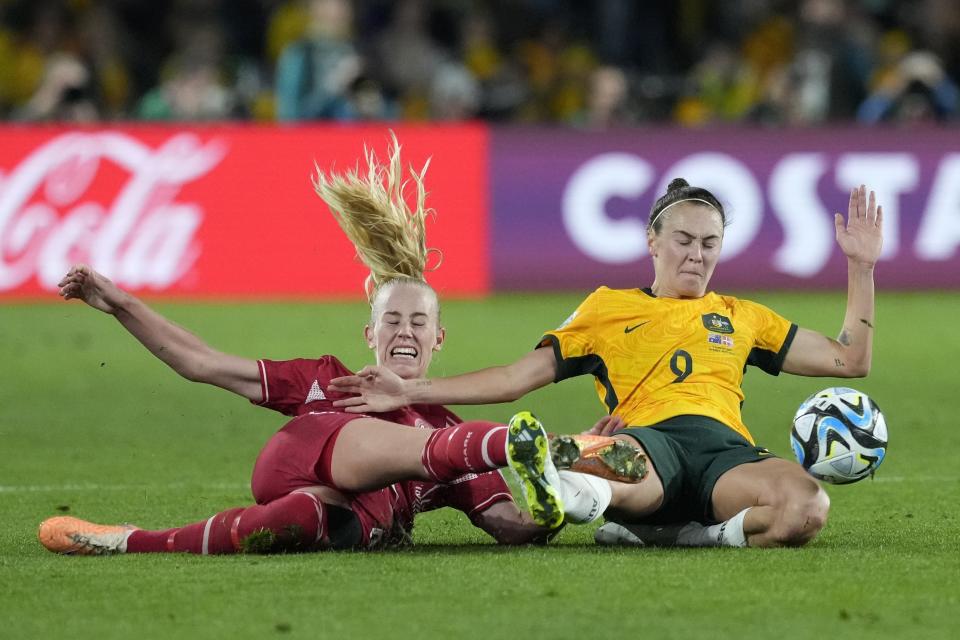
(92, 425)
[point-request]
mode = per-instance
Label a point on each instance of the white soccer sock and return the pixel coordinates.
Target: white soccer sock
(585, 497)
(725, 534)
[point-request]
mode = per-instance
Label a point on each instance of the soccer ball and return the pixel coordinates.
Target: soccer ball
(839, 435)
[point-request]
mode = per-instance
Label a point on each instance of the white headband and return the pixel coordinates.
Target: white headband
(657, 217)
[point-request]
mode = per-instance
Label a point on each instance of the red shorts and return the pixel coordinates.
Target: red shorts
(299, 456)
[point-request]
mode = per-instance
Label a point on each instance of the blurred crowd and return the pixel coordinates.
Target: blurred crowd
(587, 64)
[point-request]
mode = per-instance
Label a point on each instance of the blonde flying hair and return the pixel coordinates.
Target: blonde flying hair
(389, 236)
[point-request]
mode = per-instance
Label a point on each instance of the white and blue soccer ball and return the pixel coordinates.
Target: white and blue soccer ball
(839, 435)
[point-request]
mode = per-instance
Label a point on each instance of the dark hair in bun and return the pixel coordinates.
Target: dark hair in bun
(679, 189)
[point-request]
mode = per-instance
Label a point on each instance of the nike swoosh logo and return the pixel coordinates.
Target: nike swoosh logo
(636, 326)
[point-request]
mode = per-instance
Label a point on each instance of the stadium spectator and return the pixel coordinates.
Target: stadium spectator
(454, 93)
(831, 61)
(668, 361)
(193, 85)
(502, 85)
(29, 37)
(407, 59)
(367, 101)
(193, 92)
(558, 69)
(65, 93)
(315, 73)
(722, 87)
(607, 100)
(104, 43)
(48, 77)
(915, 90)
(331, 479)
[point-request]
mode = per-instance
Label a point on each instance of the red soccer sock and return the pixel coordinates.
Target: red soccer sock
(295, 522)
(470, 447)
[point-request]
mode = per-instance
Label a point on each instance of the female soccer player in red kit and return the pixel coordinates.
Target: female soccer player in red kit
(328, 478)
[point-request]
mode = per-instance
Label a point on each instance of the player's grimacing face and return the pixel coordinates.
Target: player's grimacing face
(686, 250)
(405, 330)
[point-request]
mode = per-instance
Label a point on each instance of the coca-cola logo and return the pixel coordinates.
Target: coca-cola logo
(55, 212)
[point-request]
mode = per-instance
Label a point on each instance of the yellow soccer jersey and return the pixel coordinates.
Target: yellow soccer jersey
(656, 358)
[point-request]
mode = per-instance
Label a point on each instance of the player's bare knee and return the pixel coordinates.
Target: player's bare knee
(801, 516)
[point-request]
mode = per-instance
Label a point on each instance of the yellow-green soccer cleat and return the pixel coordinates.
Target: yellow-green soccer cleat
(76, 537)
(603, 456)
(528, 452)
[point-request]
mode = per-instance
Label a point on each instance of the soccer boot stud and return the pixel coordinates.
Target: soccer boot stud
(602, 456)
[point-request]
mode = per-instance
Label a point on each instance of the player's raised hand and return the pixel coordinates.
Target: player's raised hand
(98, 291)
(606, 426)
(378, 389)
(861, 238)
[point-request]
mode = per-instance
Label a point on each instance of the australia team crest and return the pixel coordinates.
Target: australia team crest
(717, 323)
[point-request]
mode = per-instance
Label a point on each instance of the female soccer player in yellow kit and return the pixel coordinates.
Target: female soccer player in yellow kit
(668, 362)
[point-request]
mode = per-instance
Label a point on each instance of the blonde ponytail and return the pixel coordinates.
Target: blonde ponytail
(389, 237)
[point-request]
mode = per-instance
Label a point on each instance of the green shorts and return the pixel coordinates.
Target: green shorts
(690, 453)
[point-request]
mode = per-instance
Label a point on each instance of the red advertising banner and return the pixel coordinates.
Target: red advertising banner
(221, 211)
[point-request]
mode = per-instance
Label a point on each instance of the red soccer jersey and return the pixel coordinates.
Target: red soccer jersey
(300, 386)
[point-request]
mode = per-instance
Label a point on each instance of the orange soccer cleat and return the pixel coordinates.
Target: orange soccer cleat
(603, 456)
(73, 536)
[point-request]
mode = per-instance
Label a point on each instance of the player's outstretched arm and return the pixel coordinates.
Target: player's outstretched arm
(379, 389)
(849, 356)
(507, 524)
(182, 351)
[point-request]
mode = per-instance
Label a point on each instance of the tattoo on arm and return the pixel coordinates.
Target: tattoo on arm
(844, 337)
(423, 383)
(866, 322)
(838, 362)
